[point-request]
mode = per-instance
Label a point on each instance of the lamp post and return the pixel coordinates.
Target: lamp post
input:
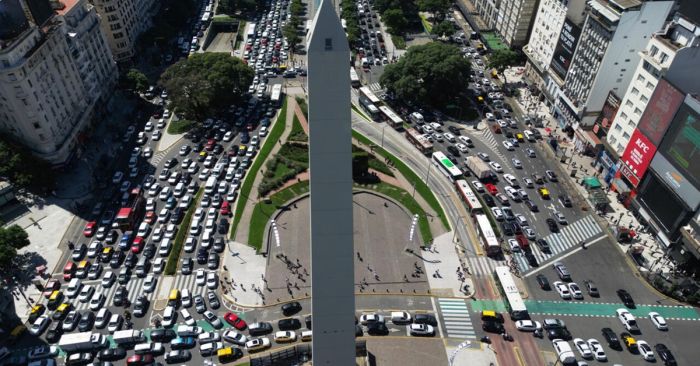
(385, 126)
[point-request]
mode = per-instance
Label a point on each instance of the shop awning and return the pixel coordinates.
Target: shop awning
(591, 182)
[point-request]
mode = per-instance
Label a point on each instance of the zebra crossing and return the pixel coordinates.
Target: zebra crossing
(157, 158)
(375, 87)
(487, 137)
(189, 282)
(569, 236)
(134, 287)
(456, 319)
(484, 265)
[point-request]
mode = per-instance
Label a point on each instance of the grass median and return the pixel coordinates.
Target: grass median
(263, 211)
(421, 187)
(180, 126)
(173, 258)
(267, 146)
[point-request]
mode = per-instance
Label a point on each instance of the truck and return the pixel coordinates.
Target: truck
(128, 336)
(79, 342)
(480, 169)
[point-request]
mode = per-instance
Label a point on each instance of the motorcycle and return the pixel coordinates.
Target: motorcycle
(485, 339)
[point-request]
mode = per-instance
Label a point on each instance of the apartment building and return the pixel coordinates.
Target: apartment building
(54, 75)
(123, 21)
(608, 50)
(511, 19)
(656, 60)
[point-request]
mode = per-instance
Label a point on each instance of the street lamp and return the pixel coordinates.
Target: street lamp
(385, 126)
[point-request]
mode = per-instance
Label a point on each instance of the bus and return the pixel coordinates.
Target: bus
(506, 286)
(371, 109)
(276, 95)
(488, 237)
(354, 79)
(447, 166)
(420, 141)
(365, 92)
(251, 31)
(391, 118)
(468, 196)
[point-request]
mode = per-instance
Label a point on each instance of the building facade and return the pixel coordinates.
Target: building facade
(608, 49)
(123, 21)
(511, 19)
(53, 77)
(656, 60)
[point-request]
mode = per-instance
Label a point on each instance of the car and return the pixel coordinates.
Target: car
(583, 348)
(550, 175)
(517, 164)
(42, 352)
(528, 325)
(141, 306)
(163, 335)
(628, 320)
(665, 355)
(40, 325)
(208, 337)
(87, 320)
(120, 296)
(54, 332)
(597, 349)
(179, 355)
(285, 336)
(543, 245)
(187, 266)
(421, 330)
(112, 354)
(149, 284)
(377, 329)
(78, 359)
(484, 156)
(575, 291)
(508, 145)
(559, 333)
(200, 277)
(514, 246)
(492, 326)
(591, 288)
(115, 323)
(658, 321)
(529, 233)
(543, 282)
(235, 321)
(212, 281)
(563, 290)
(71, 321)
(611, 338)
(562, 271)
(366, 319)
(565, 200)
(560, 218)
(553, 227)
(645, 350)
(530, 153)
(89, 229)
(257, 344)
(496, 167)
(626, 298)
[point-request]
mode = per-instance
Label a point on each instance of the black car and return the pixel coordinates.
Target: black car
(141, 306)
(425, 319)
(260, 328)
(124, 276)
(565, 200)
(87, 319)
(163, 335)
(543, 282)
(377, 329)
(149, 251)
(291, 308)
(454, 130)
(612, 339)
(559, 333)
(117, 259)
(54, 332)
(213, 261)
(105, 257)
(289, 324)
(531, 259)
(112, 354)
(79, 252)
(170, 163)
(130, 260)
(453, 150)
(219, 244)
(626, 298)
(553, 227)
(507, 229)
(187, 265)
(488, 200)
(223, 226)
(591, 288)
(213, 300)
(543, 245)
(202, 255)
(532, 205)
(176, 216)
(492, 326)
(121, 296)
(665, 354)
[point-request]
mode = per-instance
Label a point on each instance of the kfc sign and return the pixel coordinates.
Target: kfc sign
(637, 157)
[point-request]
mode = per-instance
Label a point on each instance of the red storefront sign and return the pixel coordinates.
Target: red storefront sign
(637, 157)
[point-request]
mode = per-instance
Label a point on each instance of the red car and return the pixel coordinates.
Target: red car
(210, 145)
(137, 245)
(140, 360)
(491, 188)
(51, 286)
(235, 321)
(89, 229)
(150, 217)
(225, 208)
(522, 240)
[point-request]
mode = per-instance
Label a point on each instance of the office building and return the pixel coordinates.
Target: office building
(123, 21)
(511, 19)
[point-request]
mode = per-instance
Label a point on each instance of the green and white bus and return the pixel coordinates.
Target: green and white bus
(447, 166)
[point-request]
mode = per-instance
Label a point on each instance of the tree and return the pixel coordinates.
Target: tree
(290, 33)
(443, 29)
(433, 74)
(437, 7)
(501, 60)
(136, 80)
(395, 20)
(11, 239)
(205, 82)
(24, 170)
(226, 7)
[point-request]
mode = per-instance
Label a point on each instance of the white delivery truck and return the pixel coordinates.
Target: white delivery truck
(78, 342)
(128, 336)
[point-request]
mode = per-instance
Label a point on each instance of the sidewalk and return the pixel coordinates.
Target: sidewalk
(441, 263)
(245, 268)
(168, 140)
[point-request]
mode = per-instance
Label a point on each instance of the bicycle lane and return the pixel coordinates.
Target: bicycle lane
(595, 309)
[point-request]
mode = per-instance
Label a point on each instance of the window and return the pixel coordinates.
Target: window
(634, 91)
(623, 115)
(653, 51)
(637, 111)
(626, 136)
(641, 78)
(650, 86)
(37, 126)
(631, 124)
(612, 140)
(629, 103)
(618, 127)
(663, 57)
(620, 147)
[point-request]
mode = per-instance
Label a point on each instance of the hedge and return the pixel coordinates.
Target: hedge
(173, 258)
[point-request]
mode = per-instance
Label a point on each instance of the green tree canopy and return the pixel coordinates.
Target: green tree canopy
(226, 7)
(290, 33)
(433, 74)
(135, 80)
(395, 20)
(22, 169)
(443, 29)
(12, 239)
(205, 82)
(502, 59)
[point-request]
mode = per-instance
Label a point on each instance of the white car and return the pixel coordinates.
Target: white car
(563, 290)
(522, 221)
(234, 337)
(508, 146)
(462, 148)
(575, 291)
(86, 293)
(529, 233)
(514, 245)
(285, 336)
(257, 344)
(149, 284)
(108, 279)
(94, 249)
(528, 325)
(371, 318)
(189, 320)
(115, 323)
(496, 167)
(200, 277)
(421, 330)
(147, 152)
(658, 320)
(517, 163)
(190, 244)
(529, 183)
(628, 320)
(212, 281)
(583, 348)
(645, 350)
(478, 186)
(597, 349)
(497, 213)
(39, 325)
(97, 302)
(150, 204)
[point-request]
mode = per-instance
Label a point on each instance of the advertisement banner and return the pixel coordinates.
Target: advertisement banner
(675, 180)
(637, 156)
(660, 111)
(564, 51)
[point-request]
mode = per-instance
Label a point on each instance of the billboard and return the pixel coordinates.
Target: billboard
(564, 51)
(676, 181)
(660, 110)
(637, 157)
(681, 145)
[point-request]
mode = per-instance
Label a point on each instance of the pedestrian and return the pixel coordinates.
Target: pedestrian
(405, 278)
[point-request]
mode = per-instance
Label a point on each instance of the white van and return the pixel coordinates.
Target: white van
(529, 135)
(169, 317)
(180, 189)
(218, 169)
(164, 248)
(210, 186)
(149, 348)
(566, 355)
(416, 117)
(400, 317)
